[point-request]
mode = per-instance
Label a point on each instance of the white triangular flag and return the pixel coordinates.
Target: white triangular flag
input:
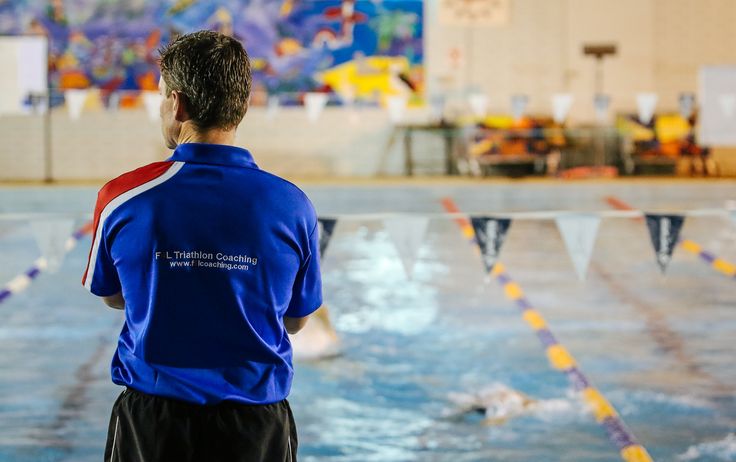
(601, 104)
(314, 103)
(561, 104)
(348, 102)
(728, 104)
(437, 106)
(407, 234)
(478, 104)
(686, 104)
(396, 106)
(75, 100)
(113, 101)
(579, 232)
(347, 95)
(54, 240)
(518, 106)
(646, 103)
(152, 102)
(272, 109)
(731, 209)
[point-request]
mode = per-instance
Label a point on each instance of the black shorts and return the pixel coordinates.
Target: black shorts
(147, 428)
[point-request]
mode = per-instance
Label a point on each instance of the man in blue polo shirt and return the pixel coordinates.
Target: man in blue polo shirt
(213, 261)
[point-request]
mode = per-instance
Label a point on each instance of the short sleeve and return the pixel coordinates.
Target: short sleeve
(306, 294)
(102, 277)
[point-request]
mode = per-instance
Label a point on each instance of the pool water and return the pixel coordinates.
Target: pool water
(661, 349)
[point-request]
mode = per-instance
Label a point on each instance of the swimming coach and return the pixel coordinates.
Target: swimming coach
(213, 261)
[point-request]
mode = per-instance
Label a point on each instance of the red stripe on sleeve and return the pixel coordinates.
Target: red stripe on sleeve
(121, 185)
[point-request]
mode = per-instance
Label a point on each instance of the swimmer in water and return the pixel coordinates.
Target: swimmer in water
(497, 403)
(318, 339)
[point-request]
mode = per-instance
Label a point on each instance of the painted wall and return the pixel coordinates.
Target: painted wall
(113, 45)
(661, 45)
(101, 145)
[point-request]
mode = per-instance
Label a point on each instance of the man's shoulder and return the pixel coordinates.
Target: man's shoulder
(131, 180)
(282, 185)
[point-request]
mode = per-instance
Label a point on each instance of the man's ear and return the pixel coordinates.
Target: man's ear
(180, 106)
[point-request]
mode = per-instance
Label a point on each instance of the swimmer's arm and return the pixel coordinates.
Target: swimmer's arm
(294, 325)
(115, 301)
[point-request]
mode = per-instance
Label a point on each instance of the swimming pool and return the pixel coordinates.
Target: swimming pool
(660, 349)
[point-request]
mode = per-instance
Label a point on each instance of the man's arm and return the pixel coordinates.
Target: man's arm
(294, 325)
(115, 301)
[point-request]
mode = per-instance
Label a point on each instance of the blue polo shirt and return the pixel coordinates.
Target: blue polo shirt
(210, 253)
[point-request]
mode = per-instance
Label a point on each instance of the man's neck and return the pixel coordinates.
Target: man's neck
(189, 134)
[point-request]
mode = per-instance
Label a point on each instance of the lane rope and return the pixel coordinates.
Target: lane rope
(559, 357)
(719, 264)
(22, 281)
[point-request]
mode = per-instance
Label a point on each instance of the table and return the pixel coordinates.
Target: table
(449, 133)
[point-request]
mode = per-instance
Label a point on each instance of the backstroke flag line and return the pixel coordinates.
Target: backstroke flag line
(490, 234)
(579, 232)
(665, 233)
(54, 240)
(326, 228)
(407, 234)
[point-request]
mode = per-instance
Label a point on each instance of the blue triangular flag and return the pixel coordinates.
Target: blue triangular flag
(490, 233)
(665, 233)
(326, 228)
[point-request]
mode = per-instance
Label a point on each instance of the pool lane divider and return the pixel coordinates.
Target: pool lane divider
(558, 356)
(22, 281)
(719, 264)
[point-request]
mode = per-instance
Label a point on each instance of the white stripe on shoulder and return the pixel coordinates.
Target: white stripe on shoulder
(117, 202)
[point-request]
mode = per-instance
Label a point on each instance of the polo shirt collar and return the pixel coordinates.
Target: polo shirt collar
(216, 154)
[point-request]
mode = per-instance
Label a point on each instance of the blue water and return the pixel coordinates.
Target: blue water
(660, 349)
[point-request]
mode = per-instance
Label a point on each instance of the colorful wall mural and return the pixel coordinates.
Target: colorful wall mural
(361, 49)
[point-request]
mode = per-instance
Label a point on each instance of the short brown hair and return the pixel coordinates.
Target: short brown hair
(213, 73)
